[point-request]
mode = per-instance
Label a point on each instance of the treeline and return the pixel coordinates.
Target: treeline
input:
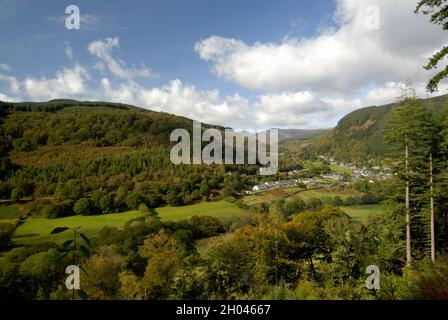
(420, 152)
(120, 183)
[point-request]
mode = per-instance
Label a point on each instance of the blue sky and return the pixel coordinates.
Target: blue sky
(159, 33)
(244, 63)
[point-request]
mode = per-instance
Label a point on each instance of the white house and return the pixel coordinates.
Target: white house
(260, 187)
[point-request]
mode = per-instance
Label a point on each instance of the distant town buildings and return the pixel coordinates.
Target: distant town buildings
(275, 184)
(376, 173)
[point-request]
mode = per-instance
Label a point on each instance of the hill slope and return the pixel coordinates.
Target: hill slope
(284, 134)
(67, 150)
(360, 135)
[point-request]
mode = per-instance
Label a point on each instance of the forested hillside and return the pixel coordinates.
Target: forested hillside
(99, 157)
(360, 135)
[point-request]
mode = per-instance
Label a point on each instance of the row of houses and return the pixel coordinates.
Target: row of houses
(275, 184)
(377, 173)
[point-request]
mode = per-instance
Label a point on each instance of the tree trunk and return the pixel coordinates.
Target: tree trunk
(408, 215)
(312, 267)
(431, 184)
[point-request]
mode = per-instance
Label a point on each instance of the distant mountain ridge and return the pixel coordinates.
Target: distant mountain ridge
(284, 134)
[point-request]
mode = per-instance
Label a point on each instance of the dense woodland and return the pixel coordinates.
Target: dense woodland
(108, 158)
(360, 136)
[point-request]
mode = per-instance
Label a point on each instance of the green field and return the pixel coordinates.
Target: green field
(361, 213)
(275, 194)
(320, 193)
(10, 212)
(219, 209)
(38, 229)
(340, 169)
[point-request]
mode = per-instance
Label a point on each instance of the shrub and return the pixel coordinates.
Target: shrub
(51, 211)
(153, 200)
(106, 203)
(16, 194)
(6, 230)
(143, 208)
(84, 206)
(337, 201)
(133, 200)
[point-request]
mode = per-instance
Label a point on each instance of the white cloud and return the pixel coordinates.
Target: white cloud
(4, 97)
(102, 49)
(390, 91)
(298, 109)
(340, 61)
(186, 100)
(4, 67)
(303, 82)
(14, 85)
(68, 83)
(125, 92)
(287, 109)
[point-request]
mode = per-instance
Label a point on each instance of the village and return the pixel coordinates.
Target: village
(376, 173)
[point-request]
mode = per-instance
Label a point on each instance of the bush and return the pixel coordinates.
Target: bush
(106, 203)
(295, 205)
(51, 211)
(58, 210)
(153, 200)
(4, 190)
(133, 200)
(337, 201)
(6, 230)
(174, 199)
(314, 204)
(351, 201)
(35, 207)
(16, 194)
(143, 208)
(84, 206)
(205, 226)
(195, 195)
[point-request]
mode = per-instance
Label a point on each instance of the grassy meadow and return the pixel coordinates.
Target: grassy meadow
(34, 230)
(361, 213)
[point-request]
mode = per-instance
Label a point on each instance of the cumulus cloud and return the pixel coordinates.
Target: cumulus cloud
(390, 91)
(4, 97)
(68, 82)
(14, 85)
(308, 82)
(103, 50)
(287, 109)
(300, 110)
(342, 60)
(186, 100)
(180, 99)
(297, 110)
